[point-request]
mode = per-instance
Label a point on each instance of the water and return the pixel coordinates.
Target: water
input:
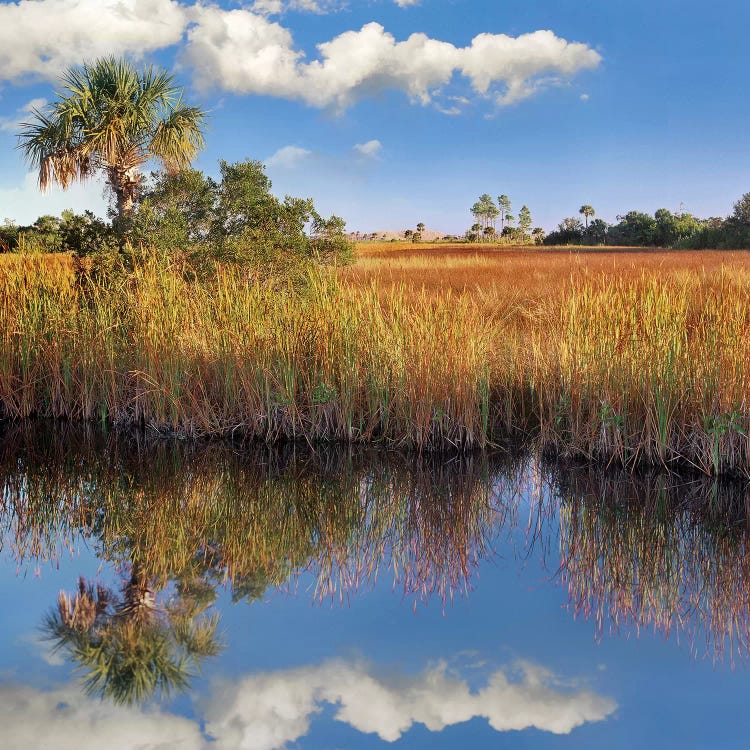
(357, 598)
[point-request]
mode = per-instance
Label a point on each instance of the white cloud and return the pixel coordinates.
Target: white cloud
(314, 6)
(585, 97)
(523, 63)
(405, 3)
(65, 719)
(288, 157)
(243, 51)
(41, 37)
(369, 150)
(267, 711)
(268, 7)
(277, 7)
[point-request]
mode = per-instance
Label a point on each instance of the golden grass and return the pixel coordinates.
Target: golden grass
(638, 356)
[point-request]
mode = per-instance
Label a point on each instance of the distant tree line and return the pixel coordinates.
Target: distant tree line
(664, 229)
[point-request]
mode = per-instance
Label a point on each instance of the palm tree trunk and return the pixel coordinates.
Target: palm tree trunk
(138, 601)
(124, 183)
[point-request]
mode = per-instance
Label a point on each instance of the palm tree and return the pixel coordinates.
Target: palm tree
(130, 648)
(112, 119)
(587, 212)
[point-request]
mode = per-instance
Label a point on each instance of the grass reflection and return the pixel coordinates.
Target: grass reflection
(180, 520)
(659, 551)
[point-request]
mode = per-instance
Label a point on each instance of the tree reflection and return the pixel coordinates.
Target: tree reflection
(128, 646)
(189, 519)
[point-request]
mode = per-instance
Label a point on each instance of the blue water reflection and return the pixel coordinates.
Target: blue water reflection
(366, 599)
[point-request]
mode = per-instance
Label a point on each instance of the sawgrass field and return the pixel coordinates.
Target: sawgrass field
(622, 356)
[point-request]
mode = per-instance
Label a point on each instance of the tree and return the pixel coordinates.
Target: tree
(569, 232)
(596, 232)
(420, 227)
(485, 211)
(112, 119)
(672, 229)
(587, 212)
(524, 220)
(635, 229)
(741, 213)
(236, 219)
(503, 203)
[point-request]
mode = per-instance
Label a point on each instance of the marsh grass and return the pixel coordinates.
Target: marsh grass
(632, 358)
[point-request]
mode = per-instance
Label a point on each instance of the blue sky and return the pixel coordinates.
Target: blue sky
(623, 105)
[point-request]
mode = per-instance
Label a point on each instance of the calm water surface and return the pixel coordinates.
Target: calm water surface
(161, 594)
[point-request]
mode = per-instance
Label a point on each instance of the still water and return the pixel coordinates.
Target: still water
(165, 594)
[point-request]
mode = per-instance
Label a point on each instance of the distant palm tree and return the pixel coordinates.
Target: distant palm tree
(112, 119)
(420, 227)
(587, 212)
(129, 648)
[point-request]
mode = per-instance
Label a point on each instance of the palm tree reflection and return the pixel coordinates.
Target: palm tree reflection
(128, 646)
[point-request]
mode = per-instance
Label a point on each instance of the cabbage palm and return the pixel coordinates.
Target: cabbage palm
(587, 212)
(112, 119)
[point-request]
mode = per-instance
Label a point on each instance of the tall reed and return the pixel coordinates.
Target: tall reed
(332, 362)
(648, 367)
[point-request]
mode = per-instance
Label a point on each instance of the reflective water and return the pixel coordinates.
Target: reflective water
(164, 594)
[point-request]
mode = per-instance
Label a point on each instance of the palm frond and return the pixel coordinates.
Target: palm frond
(179, 137)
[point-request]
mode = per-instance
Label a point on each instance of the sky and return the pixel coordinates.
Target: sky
(394, 112)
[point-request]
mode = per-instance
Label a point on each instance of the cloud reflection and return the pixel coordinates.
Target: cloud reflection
(267, 711)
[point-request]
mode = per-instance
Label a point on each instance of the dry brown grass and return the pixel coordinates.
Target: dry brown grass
(625, 355)
(533, 272)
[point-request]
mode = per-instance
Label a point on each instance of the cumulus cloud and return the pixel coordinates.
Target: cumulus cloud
(41, 37)
(244, 51)
(288, 157)
(369, 150)
(65, 719)
(267, 711)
